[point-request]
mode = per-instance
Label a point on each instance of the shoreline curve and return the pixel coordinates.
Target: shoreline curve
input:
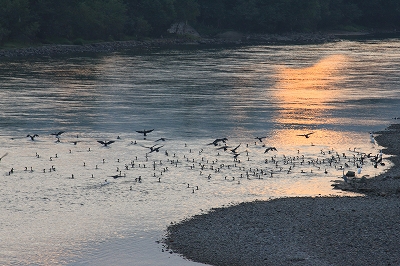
(303, 230)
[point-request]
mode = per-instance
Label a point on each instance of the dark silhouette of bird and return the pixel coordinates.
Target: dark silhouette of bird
(260, 138)
(270, 149)
(32, 136)
(225, 148)
(106, 143)
(306, 135)
(216, 141)
(3, 156)
(157, 149)
(144, 132)
(161, 139)
(235, 149)
(117, 176)
(57, 134)
(235, 155)
(154, 148)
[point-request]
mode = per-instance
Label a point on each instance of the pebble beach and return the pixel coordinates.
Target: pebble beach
(361, 230)
(114, 46)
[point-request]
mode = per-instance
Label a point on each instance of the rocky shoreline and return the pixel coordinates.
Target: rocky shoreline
(294, 231)
(305, 230)
(107, 47)
(388, 183)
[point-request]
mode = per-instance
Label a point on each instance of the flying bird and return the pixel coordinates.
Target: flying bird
(260, 138)
(157, 149)
(270, 149)
(144, 132)
(154, 148)
(225, 148)
(32, 137)
(57, 134)
(306, 135)
(105, 143)
(216, 141)
(3, 156)
(234, 149)
(235, 155)
(117, 176)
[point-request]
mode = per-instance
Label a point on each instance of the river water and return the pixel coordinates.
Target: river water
(74, 201)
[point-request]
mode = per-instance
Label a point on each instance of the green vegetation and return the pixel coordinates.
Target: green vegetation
(77, 21)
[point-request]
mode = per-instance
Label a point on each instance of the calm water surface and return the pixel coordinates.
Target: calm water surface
(57, 207)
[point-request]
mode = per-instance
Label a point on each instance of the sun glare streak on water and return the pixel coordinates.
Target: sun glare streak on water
(305, 93)
(74, 202)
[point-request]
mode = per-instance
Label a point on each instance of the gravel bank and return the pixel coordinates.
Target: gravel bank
(294, 231)
(302, 231)
(108, 47)
(388, 183)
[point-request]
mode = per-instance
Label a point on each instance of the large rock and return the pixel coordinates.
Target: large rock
(183, 28)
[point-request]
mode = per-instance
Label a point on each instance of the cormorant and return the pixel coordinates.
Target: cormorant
(57, 134)
(106, 143)
(306, 135)
(154, 148)
(32, 137)
(144, 132)
(234, 149)
(216, 141)
(260, 138)
(270, 149)
(3, 156)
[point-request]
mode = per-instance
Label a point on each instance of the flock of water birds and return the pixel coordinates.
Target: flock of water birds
(217, 159)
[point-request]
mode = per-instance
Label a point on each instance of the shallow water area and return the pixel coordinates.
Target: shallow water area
(66, 198)
(74, 201)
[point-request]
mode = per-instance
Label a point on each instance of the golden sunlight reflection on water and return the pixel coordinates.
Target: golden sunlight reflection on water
(320, 137)
(304, 93)
(50, 218)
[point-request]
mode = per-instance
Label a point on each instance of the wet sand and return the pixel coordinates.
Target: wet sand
(303, 231)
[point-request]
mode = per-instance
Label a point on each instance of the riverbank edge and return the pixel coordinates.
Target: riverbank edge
(359, 230)
(226, 39)
(387, 183)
